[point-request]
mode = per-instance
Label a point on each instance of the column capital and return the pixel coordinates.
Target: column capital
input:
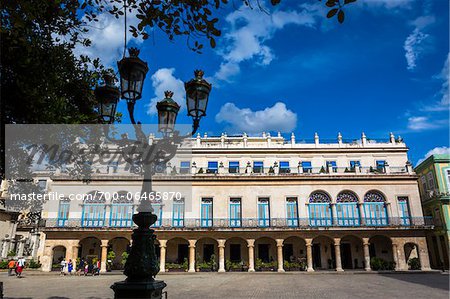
(279, 242)
(162, 243)
(104, 243)
(250, 242)
(221, 243)
(337, 241)
(308, 242)
(192, 243)
(366, 241)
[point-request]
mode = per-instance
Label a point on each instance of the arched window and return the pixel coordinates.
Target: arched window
(320, 209)
(375, 213)
(347, 209)
(121, 209)
(93, 210)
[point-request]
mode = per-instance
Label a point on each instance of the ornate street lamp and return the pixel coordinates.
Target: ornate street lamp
(107, 97)
(167, 113)
(197, 95)
(132, 72)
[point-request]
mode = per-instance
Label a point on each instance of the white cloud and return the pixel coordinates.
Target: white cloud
(275, 118)
(443, 103)
(250, 29)
(388, 3)
(417, 43)
(423, 123)
(162, 80)
(107, 37)
(414, 47)
(435, 151)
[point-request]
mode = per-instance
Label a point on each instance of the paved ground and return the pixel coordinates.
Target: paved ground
(242, 285)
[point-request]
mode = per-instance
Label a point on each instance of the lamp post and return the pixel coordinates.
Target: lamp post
(142, 264)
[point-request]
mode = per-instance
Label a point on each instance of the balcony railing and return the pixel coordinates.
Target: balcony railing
(253, 223)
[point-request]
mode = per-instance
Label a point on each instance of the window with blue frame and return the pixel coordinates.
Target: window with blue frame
(233, 167)
(333, 165)
(306, 165)
(157, 210)
(403, 205)
(206, 212)
(185, 167)
(63, 212)
(121, 210)
(354, 165)
(381, 165)
(258, 167)
(235, 212)
(112, 167)
(213, 167)
(347, 209)
(284, 167)
(178, 213)
(94, 209)
(263, 212)
(375, 213)
(320, 209)
(292, 211)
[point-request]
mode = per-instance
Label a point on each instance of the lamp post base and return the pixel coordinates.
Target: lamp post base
(148, 289)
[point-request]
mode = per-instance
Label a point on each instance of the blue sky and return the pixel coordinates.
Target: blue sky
(384, 70)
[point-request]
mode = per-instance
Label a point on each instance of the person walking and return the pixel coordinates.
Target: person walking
(63, 266)
(11, 267)
(70, 267)
(80, 267)
(20, 267)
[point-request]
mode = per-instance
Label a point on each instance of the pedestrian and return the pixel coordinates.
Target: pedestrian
(86, 269)
(11, 267)
(20, 267)
(70, 267)
(98, 267)
(80, 267)
(63, 266)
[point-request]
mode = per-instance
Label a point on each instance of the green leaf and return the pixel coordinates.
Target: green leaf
(332, 12)
(341, 16)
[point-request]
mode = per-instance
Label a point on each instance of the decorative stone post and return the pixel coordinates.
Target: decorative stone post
(387, 169)
(104, 255)
(269, 140)
(221, 245)
(391, 138)
(221, 169)
(251, 255)
(280, 254)
(162, 255)
(245, 139)
(316, 138)
(363, 139)
(339, 139)
(192, 255)
(292, 139)
(198, 140)
(248, 168)
(309, 255)
(337, 250)
(194, 168)
(366, 254)
(409, 167)
(276, 168)
(222, 140)
(5, 246)
(300, 167)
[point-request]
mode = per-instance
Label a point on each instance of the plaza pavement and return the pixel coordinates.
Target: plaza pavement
(241, 285)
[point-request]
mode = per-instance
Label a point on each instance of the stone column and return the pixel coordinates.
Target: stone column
(35, 240)
(75, 250)
(104, 255)
(192, 255)
(400, 263)
(162, 255)
(334, 214)
(280, 254)
(21, 245)
(221, 255)
(309, 257)
(251, 255)
(5, 246)
(361, 213)
(46, 259)
(337, 251)
(366, 254)
(423, 255)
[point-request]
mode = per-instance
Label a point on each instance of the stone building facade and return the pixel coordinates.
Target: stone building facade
(252, 200)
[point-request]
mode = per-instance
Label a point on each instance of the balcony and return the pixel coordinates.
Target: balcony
(255, 223)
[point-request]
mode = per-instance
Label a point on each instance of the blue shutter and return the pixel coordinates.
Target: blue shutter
(320, 214)
(263, 212)
(292, 212)
(404, 211)
(178, 214)
(235, 212)
(375, 214)
(63, 212)
(306, 166)
(258, 167)
(284, 167)
(348, 214)
(233, 167)
(206, 212)
(212, 167)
